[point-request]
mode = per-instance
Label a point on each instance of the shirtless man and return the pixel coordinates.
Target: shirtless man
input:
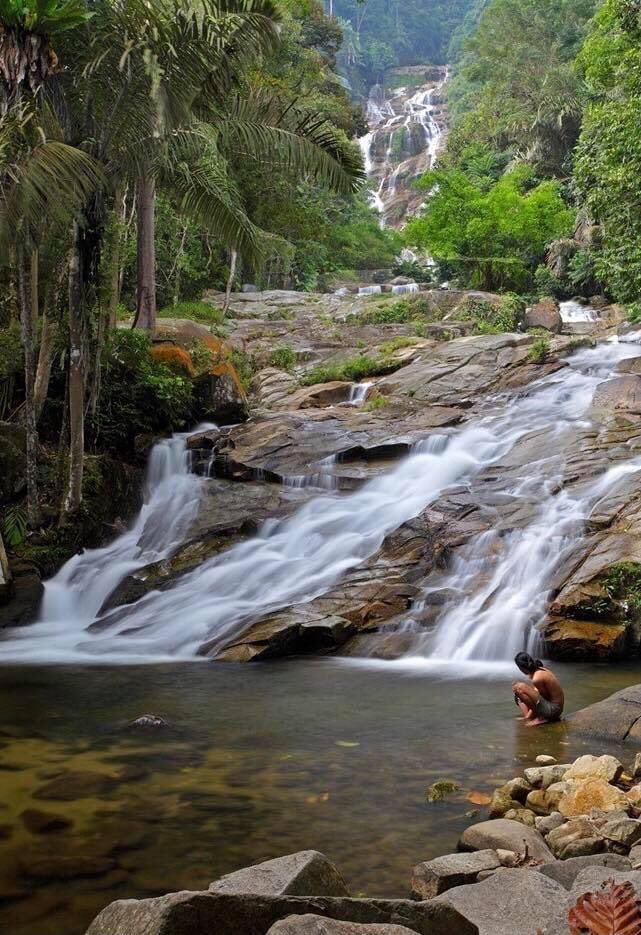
(541, 699)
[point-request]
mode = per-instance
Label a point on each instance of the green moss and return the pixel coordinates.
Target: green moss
(375, 404)
(440, 789)
(353, 370)
(196, 311)
(539, 351)
(396, 344)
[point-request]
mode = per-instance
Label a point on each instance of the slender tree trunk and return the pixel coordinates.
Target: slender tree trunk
(146, 296)
(45, 359)
(176, 268)
(114, 248)
(73, 494)
(27, 328)
(230, 280)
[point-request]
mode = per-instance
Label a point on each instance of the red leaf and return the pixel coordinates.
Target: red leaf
(615, 910)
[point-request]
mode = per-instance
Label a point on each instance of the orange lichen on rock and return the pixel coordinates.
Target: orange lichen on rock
(174, 357)
(225, 369)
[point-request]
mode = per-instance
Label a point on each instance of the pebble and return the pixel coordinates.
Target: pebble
(544, 760)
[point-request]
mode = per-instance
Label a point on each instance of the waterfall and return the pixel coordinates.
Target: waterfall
(405, 288)
(370, 290)
(572, 312)
(296, 559)
(358, 393)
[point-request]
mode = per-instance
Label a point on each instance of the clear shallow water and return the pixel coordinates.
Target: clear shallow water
(259, 761)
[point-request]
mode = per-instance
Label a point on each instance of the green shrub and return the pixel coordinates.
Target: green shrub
(283, 358)
(396, 344)
(14, 525)
(546, 282)
(351, 370)
(539, 350)
(494, 319)
(634, 312)
(10, 351)
(378, 402)
(244, 365)
(196, 311)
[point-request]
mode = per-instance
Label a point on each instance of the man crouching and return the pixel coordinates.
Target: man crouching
(541, 699)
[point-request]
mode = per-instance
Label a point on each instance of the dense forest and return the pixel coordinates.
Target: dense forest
(538, 189)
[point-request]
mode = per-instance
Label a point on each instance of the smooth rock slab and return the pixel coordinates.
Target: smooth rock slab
(507, 835)
(317, 925)
(217, 914)
(433, 877)
(614, 718)
(565, 872)
(305, 873)
(511, 902)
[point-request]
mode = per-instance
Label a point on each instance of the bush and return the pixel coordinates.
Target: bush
(10, 351)
(396, 344)
(196, 311)
(634, 312)
(175, 358)
(539, 350)
(283, 358)
(494, 319)
(244, 365)
(546, 282)
(352, 370)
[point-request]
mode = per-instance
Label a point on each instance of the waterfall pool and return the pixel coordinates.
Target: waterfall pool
(258, 761)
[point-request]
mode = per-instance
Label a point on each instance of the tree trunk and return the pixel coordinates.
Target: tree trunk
(146, 295)
(230, 280)
(73, 495)
(26, 292)
(45, 359)
(114, 249)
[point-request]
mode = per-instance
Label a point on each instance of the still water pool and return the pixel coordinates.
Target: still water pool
(258, 761)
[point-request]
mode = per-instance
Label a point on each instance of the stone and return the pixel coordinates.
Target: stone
(221, 394)
(502, 803)
(595, 767)
(635, 857)
(517, 789)
(546, 823)
(224, 914)
(614, 718)
(590, 794)
(24, 596)
(575, 839)
(633, 795)
(433, 877)
(590, 879)
(524, 815)
(621, 394)
(571, 640)
(543, 776)
(624, 831)
(543, 759)
(147, 722)
(544, 314)
(636, 767)
(305, 873)
(565, 872)
(544, 801)
(317, 925)
(507, 835)
(43, 822)
(507, 858)
(510, 902)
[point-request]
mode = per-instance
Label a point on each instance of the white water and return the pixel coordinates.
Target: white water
(358, 393)
(300, 558)
(385, 120)
(370, 290)
(574, 311)
(405, 288)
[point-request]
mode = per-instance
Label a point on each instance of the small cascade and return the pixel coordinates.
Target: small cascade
(358, 393)
(392, 158)
(405, 288)
(572, 312)
(370, 290)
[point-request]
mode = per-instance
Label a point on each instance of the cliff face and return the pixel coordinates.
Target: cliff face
(407, 132)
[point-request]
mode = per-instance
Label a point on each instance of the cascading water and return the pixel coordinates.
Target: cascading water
(572, 312)
(386, 163)
(358, 393)
(299, 558)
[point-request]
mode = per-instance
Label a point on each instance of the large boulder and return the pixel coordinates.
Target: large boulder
(590, 794)
(511, 902)
(565, 872)
(622, 394)
(507, 835)
(433, 877)
(545, 314)
(223, 914)
(306, 873)
(594, 767)
(573, 640)
(221, 394)
(24, 595)
(616, 718)
(317, 925)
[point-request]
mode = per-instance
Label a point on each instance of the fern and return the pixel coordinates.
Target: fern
(14, 527)
(614, 910)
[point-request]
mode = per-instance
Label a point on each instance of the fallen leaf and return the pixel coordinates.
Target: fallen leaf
(478, 798)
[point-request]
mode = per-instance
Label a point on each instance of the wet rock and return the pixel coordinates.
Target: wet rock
(321, 395)
(507, 835)
(579, 640)
(545, 314)
(306, 873)
(517, 789)
(591, 794)
(565, 872)
(594, 767)
(622, 394)
(502, 803)
(615, 718)
(72, 785)
(317, 925)
(147, 722)
(206, 913)
(433, 877)
(511, 901)
(221, 394)
(23, 597)
(43, 822)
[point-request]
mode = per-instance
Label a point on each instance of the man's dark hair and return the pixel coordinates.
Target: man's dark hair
(526, 663)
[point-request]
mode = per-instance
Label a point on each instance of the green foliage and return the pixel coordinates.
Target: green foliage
(376, 404)
(43, 17)
(283, 358)
(494, 319)
(10, 351)
(412, 270)
(622, 583)
(196, 311)
(634, 312)
(396, 344)
(608, 157)
(546, 282)
(352, 370)
(14, 525)
(139, 395)
(539, 350)
(493, 237)
(244, 365)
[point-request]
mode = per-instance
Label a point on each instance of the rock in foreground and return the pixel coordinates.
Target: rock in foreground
(294, 875)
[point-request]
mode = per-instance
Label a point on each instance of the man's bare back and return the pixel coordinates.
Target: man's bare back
(541, 699)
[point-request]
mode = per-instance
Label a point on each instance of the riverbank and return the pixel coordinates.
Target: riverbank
(245, 772)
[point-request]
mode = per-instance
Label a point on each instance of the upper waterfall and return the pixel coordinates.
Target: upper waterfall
(406, 133)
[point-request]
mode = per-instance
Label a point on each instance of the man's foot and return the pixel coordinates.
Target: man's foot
(537, 722)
